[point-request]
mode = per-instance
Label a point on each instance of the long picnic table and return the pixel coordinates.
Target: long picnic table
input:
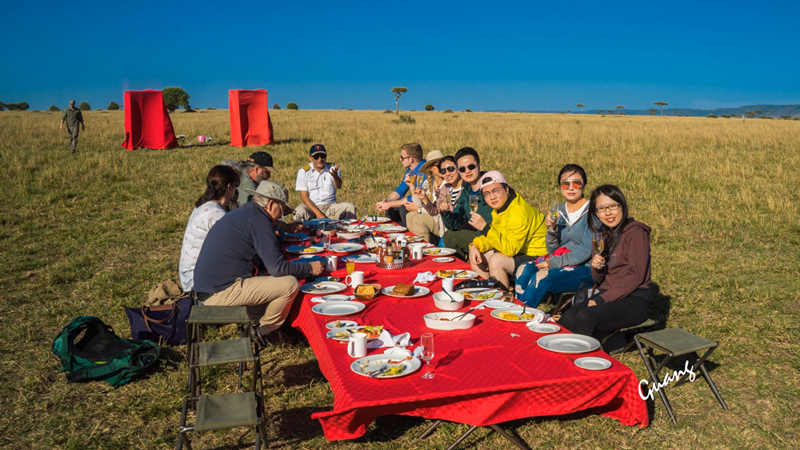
(494, 372)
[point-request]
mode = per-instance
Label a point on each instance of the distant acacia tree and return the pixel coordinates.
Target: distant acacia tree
(569, 111)
(467, 110)
(786, 117)
(398, 92)
(599, 111)
(53, 108)
(619, 108)
(662, 105)
(292, 105)
(84, 107)
(2, 106)
(750, 114)
(276, 106)
(766, 113)
(758, 111)
(23, 106)
(113, 106)
(429, 107)
(581, 106)
(652, 111)
(175, 97)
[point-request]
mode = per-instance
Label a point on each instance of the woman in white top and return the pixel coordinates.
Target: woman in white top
(221, 184)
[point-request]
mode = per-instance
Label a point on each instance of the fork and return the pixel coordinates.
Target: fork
(461, 316)
(383, 369)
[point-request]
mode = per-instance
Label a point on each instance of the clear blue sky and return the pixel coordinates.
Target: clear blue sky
(481, 55)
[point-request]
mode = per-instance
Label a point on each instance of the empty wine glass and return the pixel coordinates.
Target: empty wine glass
(426, 341)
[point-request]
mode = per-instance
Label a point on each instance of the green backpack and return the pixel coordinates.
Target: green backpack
(89, 351)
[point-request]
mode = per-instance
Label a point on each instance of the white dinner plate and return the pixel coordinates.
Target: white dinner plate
(438, 251)
(543, 328)
(462, 274)
(569, 343)
(369, 258)
(419, 291)
(324, 287)
(483, 294)
(391, 228)
(494, 304)
(593, 363)
(304, 250)
(368, 364)
(443, 259)
(343, 334)
(341, 324)
(375, 219)
(338, 308)
(337, 298)
(346, 248)
(517, 310)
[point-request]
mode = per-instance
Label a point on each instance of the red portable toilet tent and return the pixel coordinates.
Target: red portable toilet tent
(147, 122)
(250, 122)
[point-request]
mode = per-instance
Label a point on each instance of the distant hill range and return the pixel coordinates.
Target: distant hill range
(775, 111)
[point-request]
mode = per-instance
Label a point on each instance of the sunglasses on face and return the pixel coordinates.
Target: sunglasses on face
(319, 156)
(613, 208)
(403, 158)
(444, 170)
(576, 184)
(470, 167)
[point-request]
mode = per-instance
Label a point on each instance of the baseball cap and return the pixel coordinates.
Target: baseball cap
(263, 159)
(492, 177)
(317, 148)
(273, 191)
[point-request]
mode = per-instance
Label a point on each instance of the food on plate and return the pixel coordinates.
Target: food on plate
(450, 273)
(366, 289)
(372, 332)
(403, 290)
(309, 250)
(432, 251)
(510, 316)
(396, 370)
(478, 295)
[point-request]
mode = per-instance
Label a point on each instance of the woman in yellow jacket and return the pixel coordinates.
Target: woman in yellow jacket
(515, 236)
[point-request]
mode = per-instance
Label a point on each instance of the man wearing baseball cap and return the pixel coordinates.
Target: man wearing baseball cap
(255, 169)
(317, 183)
(72, 117)
(223, 275)
(515, 235)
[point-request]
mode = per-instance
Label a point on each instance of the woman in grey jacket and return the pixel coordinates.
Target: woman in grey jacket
(569, 245)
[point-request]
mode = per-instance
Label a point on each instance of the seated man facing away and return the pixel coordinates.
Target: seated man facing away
(515, 236)
(460, 232)
(411, 159)
(317, 183)
(224, 272)
(255, 169)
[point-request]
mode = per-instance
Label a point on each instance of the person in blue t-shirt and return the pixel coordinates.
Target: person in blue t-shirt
(392, 205)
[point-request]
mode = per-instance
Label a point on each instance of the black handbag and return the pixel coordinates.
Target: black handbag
(165, 324)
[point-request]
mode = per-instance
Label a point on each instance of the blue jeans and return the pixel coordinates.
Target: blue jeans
(559, 280)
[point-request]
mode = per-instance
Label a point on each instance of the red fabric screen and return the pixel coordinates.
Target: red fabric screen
(250, 122)
(147, 122)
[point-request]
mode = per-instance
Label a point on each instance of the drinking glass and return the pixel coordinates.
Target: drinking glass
(597, 242)
(554, 210)
(473, 203)
(350, 264)
(427, 354)
(326, 241)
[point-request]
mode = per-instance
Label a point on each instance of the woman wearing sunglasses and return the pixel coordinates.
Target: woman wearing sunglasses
(621, 272)
(221, 184)
(424, 190)
(569, 245)
(443, 199)
(515, 235)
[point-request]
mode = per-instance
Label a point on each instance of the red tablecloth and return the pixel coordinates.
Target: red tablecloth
(484, 375)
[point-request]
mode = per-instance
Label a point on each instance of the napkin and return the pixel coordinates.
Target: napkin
(424, 277)
(397, 351)
(386, 339)
(537, 319)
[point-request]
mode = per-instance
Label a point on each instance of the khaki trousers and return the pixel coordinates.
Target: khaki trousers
(73, 138)
(422, 225)
(268, 299)
(332, 210)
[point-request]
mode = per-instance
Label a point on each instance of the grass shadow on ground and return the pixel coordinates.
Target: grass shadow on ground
(293, 141)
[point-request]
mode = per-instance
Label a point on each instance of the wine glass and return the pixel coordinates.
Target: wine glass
(427, 354)
(326, 240)
(554, 210)
(350, 264)
(597, 242)
(473, 202)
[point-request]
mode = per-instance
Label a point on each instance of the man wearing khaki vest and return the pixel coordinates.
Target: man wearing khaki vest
(72, 117)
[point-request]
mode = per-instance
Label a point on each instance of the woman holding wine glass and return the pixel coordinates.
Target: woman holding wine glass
(422, 219)
(431, 226)
(569, 242)
(621, 271)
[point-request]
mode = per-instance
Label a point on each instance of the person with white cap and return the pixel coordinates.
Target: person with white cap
(224, 275)
(420, 220)
(72, 117)
(317, 183)
(516, 234)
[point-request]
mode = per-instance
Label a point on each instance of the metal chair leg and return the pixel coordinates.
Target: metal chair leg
(430, 429)
(462, 437)
(520, 444)
(654, 374)
(713, 386)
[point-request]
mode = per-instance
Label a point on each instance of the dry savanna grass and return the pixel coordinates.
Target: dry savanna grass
(89, 233)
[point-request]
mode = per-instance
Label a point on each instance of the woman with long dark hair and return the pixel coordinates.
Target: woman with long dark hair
(221, 184)
(621, 271)
(569, 244)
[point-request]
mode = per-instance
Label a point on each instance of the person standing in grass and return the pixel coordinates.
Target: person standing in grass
(621, 271)
(460, 233)
(221, 184)
(423, 217)
(393, 204)
(317, 183)
(72, 117)
(514, 236)
(569, 244)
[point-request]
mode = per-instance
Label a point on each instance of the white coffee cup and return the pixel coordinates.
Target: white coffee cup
(354, 279)
(416, 253)
(332, 263)
(357, 347)
(447, 284)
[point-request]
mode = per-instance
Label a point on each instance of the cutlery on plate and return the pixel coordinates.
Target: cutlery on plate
(461, 316)
(383, 369)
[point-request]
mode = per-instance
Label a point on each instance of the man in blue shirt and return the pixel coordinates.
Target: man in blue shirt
(223, 274)
(411, 158)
